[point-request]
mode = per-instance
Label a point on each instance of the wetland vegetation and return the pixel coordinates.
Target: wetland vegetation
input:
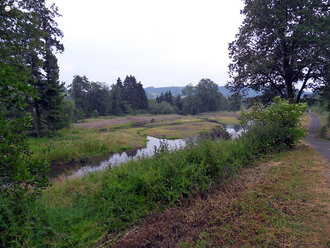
(99, 137)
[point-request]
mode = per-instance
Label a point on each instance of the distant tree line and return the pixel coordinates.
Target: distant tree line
(87, 99)
(90, 99)
(203, 97)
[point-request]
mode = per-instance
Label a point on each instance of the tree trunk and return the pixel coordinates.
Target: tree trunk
(290, 91)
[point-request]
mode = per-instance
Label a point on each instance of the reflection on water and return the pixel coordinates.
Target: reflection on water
(118, 158)
(234, 130)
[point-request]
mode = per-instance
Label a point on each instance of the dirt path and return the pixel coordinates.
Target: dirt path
(312, 139)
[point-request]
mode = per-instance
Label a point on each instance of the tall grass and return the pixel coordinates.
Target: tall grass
(74, 144)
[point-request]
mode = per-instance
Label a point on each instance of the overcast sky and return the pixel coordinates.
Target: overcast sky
(160, 42)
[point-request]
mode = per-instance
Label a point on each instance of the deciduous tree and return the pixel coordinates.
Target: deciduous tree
(282, 45)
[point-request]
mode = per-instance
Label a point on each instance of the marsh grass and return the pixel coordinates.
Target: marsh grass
(74, 144)
(223, 117)
(79, 144)
(181, 130)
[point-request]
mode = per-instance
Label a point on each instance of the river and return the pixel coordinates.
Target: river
(80, 169)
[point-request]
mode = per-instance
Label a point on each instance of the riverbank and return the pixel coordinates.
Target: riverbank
(96, 138)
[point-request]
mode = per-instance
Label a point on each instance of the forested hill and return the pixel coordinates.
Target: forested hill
(152, 92)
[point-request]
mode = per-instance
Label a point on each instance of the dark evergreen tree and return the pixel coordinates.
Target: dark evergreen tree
(143, 100)
(178, 101)
(116, 101)
(134, 94)
(168, 97)
(283, 45)
(160, 98)
(46, 109)
(78, 90)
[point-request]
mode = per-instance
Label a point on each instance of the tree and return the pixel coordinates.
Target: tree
(44, 77)
(209, 96)
(20, 178)
(133, 93)
(191, 103)
(202, 98)
(283, 45)
(235, 101)
(116, 101)
(78, 90)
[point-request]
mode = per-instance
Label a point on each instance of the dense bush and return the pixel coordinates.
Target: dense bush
(160, 108)
(280, 116)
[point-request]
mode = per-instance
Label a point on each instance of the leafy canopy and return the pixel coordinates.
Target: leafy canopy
(282, 48)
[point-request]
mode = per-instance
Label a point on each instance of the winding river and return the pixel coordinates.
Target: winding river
(80, 169)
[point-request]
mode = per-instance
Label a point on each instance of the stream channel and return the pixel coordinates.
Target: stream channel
(80, 169)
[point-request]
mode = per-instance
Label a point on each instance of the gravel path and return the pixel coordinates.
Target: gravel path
(320, 146)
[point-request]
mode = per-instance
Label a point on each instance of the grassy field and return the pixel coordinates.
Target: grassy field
(104, 135)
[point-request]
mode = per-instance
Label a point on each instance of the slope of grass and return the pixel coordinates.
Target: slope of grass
(288, 207)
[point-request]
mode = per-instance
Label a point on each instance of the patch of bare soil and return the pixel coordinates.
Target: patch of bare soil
(125, 120)
(186, 222)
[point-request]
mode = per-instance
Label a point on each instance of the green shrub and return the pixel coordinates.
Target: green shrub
(95, 113)
(282, 117)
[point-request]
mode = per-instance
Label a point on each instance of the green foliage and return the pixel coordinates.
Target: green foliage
(204, 97)
(160, 108)
(78, 114)
(95, 113)
(20, 178)
(68, 109)
(279, 115)
(280, 48)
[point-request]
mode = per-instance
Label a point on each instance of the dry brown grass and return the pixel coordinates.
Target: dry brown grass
(189, 129)
(102, 123)
(223, 117)
(305, 120)
(282, 203)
